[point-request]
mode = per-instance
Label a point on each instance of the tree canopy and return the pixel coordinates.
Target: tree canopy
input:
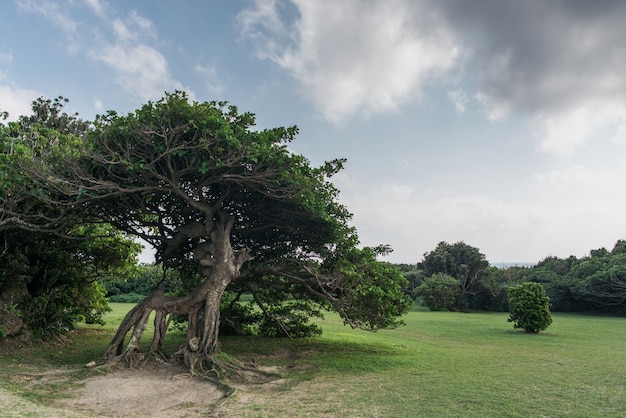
(593, 283)
(50, 259)
(230, 208)
(459, 260)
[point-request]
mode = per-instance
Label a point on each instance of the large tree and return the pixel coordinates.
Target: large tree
(599, 280)
(50, 257)
(40, 138)
(459, 260)
(232, 203)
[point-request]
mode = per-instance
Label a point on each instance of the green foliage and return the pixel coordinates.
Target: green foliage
(49, 114)
(176, 173)
(595, 283)
(53, 253)
(529, 307)
(140, 281)
(35, 144)
(373, 293)
(53, 280)
(239, 317)
(413, 276)
(286, 212)
(290, 319)
(127, 298)
(55, 312)
(490, 293)
(12, 307)
(600, 280)
(461, 261)
(438, 292)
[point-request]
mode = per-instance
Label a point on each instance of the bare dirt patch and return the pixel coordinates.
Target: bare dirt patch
(151, 392)
(158, 389)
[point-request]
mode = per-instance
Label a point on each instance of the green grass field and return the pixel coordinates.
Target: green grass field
(456, 364)
(439, 364)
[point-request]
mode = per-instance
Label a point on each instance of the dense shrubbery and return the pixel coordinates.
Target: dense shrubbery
(50, 261)
(127, 298)
(595, 283)
(52, 282)
(143, 280)
(438, 292)
(529, 307)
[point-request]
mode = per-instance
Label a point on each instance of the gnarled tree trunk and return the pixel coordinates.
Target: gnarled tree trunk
(219, 264)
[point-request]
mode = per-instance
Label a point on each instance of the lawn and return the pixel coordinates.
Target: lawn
(439, 364)
(457, 364)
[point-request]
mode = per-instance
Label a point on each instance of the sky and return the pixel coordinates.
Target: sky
(499, 123)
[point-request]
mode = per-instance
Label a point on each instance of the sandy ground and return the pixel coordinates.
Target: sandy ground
(156, 390)
(149, 392)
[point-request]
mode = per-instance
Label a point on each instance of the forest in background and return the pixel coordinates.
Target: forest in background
(458, 277)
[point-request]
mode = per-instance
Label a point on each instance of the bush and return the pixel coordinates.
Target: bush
(57, 311)
(529, 307)
(51, 278)
(290, 319)
(439, 292)
(127, 298)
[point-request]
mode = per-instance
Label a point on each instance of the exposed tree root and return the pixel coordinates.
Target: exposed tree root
(220, 369)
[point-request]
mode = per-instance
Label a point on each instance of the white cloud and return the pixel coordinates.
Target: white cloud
(413, 221)
(140, 70)
(585, 186)
(98, 6)
(139, 67)
(51, 11)
(56, 14)
(16, 101)
(495, 110)
(560, 64)
(122, 32)
(568, 212)
(353, 57)
(263, 18)
(6, 57)
(134, 28)
(563, 132)
(98, 105)
(460, 100)
(211, 78)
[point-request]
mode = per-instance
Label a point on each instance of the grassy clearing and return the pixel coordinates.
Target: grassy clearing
(439, 364)
(454, 364)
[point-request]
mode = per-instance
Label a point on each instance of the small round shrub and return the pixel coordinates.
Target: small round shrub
(529, 307)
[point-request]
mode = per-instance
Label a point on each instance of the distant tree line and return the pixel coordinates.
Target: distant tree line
(458, 277)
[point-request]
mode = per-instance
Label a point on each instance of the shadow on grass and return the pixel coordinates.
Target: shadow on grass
(321, 355)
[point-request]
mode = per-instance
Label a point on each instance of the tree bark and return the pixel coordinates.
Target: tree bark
(202, 343)
(219, 264)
